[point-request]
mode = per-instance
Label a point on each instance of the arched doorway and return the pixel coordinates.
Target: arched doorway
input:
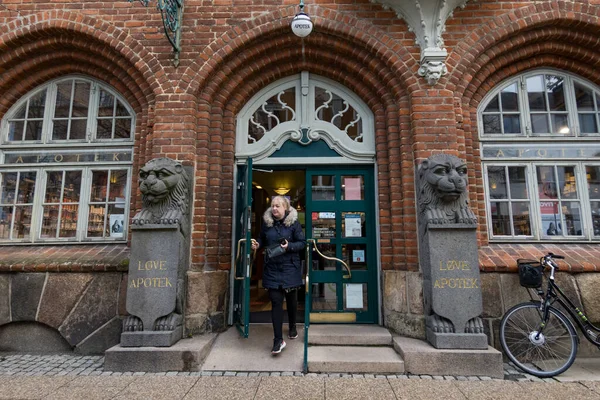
(311, 139)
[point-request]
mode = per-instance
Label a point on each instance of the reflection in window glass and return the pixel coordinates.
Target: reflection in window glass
(324, 297)
(71, 110)
(26, 123)
(546, 95)
(560, 210)
(587, 109)
(323, 187)
(60, 209)
(502, 114)
(507, 188)
(16, 202)
(323, 264)
(107, 204)
(593, 182)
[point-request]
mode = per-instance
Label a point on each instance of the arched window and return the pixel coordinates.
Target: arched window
(540, 140)
(65, 164)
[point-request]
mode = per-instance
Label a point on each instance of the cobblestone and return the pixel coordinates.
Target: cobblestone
(75, 365)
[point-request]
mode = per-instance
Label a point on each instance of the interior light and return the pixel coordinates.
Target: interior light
(282, 191)
(564, 130)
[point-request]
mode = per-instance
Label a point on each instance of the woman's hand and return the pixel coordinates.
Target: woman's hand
(255, 244)
(284, 245)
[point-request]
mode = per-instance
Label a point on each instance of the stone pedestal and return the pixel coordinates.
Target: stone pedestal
(155, 276)
(452, 286)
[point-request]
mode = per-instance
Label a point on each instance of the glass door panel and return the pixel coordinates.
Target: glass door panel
(341, 206)
(243, 261)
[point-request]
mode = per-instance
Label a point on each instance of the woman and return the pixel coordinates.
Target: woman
(282, 274)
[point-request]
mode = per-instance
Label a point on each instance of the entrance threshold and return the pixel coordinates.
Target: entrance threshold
(231, 352)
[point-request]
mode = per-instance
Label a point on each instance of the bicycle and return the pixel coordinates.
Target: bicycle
(536, 336)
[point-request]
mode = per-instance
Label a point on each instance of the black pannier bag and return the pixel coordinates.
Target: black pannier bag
(530, 273)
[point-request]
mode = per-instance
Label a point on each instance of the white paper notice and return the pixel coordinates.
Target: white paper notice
(354, 295)
(353, 225)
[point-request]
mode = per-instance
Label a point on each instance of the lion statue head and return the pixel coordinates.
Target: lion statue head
(442, 191)
(164, 185)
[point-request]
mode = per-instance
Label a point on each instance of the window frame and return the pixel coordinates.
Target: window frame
(530, 150)
(524, 114)
(90, 145)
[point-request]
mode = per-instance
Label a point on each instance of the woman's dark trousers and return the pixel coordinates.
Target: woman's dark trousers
(277, 296)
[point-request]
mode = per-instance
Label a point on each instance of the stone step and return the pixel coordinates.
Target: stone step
(421, 358)
(186, 355)
(354, 359)
(349, 335)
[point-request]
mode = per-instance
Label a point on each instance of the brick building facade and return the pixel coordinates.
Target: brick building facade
(75, 283)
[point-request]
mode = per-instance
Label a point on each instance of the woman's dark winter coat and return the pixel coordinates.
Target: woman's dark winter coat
(285, 270)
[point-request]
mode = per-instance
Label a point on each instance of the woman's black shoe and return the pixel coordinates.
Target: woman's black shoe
(278, 345)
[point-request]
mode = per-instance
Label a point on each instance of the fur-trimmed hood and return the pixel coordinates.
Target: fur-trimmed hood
(290, 218)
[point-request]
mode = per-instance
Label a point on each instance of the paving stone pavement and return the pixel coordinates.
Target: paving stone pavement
(75, 365)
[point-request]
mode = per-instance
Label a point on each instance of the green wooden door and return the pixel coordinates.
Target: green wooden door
(243, 260)
(340, 218)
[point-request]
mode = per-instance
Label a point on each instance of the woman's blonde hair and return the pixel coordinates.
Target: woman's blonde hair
(282, 199)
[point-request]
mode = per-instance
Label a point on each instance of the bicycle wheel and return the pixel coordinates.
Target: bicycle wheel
(543, 355)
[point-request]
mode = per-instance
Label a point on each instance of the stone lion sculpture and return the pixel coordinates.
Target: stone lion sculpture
(164, 185)
(442, 186)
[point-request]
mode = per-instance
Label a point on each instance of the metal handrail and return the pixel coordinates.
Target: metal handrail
(332, 259)
(307, 297)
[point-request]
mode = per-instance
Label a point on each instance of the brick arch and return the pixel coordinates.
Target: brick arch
(35, 42)
(524, 39)
(239, 69)
(509, 30)
(40, 47)
(274, 28)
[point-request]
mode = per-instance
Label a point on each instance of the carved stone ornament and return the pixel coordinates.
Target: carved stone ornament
(432, 71)
(433, 65)
(164, 185)
(442, 189)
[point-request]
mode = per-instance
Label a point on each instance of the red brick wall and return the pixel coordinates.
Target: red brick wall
(231, 49)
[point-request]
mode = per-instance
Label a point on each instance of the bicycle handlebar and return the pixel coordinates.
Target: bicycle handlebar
(548, 260)
(552, 255)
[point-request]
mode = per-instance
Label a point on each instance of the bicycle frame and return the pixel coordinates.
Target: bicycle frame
(555, 294)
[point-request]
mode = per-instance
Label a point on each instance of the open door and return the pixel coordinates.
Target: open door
(243, 249)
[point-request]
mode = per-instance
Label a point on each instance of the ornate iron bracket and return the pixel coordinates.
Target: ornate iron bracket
(172, 16)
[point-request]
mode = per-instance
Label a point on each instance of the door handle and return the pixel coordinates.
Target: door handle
(314, 242)
(237, 259)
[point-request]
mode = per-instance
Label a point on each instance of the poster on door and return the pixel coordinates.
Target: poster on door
(354, 295)
(353, 225)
